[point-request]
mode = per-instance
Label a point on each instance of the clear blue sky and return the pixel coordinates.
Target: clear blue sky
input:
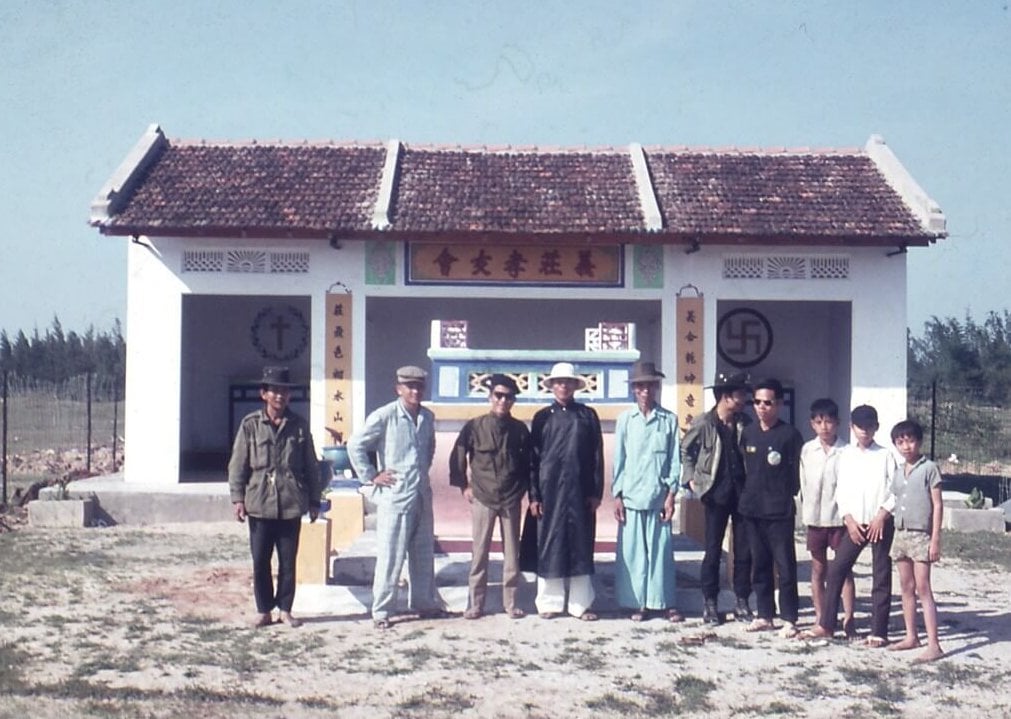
(82, 80)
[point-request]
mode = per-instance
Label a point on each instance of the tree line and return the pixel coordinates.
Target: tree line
(955, 353)
(56, 355)
(967, 354)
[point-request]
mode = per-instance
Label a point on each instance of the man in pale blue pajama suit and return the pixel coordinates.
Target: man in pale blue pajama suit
(647, 465)
(402, 434)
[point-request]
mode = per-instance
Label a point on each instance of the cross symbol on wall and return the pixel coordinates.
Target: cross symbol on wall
(279, 326)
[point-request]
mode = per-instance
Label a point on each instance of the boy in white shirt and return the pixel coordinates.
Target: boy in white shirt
(819, 511)
(865, 501)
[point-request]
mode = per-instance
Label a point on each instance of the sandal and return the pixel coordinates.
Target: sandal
(674, 616)
(261, 620)
(549, 615)
(759, 625)
(789, 631)
(588, 617)
(382, 624)
(472, 613)
(875, 642)
(638, 616)
(849, 628)
(516, 613)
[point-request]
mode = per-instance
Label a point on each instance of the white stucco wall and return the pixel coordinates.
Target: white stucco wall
(875, 288)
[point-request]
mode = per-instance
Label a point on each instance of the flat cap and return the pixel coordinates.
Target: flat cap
(410, 373)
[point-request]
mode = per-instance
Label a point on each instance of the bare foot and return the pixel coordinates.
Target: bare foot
(907, 643)
(816, 632)
(930, 655)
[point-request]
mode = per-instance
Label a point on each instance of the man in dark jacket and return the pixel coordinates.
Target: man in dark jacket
(772, 468)
(713, 469)
(567, 483)
(496, 445)
(273, 479)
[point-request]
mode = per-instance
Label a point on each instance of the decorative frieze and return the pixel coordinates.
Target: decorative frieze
(245, 261)
(786, 267)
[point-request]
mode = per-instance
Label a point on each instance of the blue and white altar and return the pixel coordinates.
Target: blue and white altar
(458, 371)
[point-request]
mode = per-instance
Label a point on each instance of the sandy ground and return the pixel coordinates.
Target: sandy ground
(150, 622)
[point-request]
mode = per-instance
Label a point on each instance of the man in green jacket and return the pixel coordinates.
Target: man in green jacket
(713, 469)
(273, 479)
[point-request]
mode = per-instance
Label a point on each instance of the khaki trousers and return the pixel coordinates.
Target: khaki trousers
(483, 524)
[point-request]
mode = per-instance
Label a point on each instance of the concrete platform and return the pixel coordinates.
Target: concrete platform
(349, 592)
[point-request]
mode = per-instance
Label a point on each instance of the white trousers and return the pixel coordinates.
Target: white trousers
(551, 594)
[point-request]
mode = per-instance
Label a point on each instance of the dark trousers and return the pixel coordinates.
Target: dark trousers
(772, 546)
(266, 535)
(881, 580)
(716, 526)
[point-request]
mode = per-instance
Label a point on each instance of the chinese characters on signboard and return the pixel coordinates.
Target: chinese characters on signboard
(599, 265)
(338, 367)
(689, 358)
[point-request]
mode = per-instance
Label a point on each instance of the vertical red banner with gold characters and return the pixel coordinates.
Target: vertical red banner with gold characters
(338, 365)
(689, 354)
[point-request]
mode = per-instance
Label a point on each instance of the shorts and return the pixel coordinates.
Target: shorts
(910, 544)
(820, 539)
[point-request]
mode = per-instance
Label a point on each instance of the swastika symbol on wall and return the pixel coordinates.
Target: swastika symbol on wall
(743, 337)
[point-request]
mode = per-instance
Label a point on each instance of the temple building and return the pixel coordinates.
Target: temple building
(344, 261)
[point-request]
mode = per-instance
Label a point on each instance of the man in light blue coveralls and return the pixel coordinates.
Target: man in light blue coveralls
(402, 434)
(647, 465)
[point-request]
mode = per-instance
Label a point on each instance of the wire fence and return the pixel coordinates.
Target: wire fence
(56, 429)
(967, 435)
(59, 429)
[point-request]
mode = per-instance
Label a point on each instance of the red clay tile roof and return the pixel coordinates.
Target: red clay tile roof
(718, 196)
(259, 190)
(841, 195)
(515, 192)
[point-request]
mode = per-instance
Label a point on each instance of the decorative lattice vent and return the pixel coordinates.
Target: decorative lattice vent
(786, 267)
(245, 260)
(203, 261)
(289, 261)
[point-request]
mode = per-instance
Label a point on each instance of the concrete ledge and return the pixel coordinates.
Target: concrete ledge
(61, 513)
(158, 508)
(119, 502)
(974, 520)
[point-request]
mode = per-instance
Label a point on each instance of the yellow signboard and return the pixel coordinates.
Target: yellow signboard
(338, 366)
(689, 356)
(503, 264)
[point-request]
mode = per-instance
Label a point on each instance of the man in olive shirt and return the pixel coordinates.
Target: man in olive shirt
(273, 479)
(497, 447)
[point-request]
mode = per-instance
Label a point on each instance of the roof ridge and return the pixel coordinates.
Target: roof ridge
(511, 149)
(189, 142)
(528, 149)
(768, 151)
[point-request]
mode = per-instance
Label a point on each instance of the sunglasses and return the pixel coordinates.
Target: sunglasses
(763, 402)
(508, 396)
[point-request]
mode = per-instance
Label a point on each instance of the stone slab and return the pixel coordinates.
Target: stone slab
(974, 520)
(61, 513)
